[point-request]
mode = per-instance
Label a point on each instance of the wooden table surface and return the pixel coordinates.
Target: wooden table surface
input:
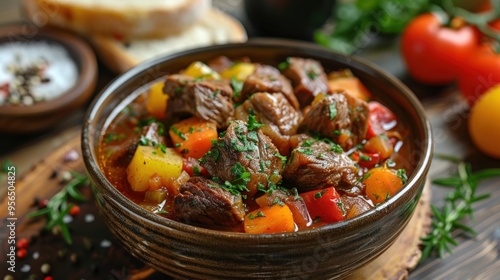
(475, 258)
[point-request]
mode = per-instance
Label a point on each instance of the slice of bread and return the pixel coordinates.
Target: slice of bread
(214, 27)
(118, 18)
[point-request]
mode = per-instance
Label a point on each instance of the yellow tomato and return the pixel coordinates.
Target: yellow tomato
(484, 122)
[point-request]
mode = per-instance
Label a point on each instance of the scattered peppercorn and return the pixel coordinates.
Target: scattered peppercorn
(22, 243)
(73, 258)
(21, 253)
(45, 268)
(75, 210)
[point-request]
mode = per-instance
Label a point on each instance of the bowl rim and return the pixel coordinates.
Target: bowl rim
(368, 217)
(86, 63)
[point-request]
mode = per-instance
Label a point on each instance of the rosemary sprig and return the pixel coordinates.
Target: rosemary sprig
(59, 205)
(458, 205)
(4, 169)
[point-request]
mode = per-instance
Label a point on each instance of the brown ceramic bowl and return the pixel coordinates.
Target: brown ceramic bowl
(43, 115)
(189, 252)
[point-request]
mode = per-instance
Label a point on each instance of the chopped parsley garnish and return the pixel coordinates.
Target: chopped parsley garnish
(283, 158)
(251, 216)
(285, 64)
(312, 74)
(307, 143)
(296, 195)
(264, 165)
(252, 123)
(278, 201)
(305, 151)
(196, 171)
(320, 194)
(332, 110)
(252, 135)
(216, 92)
(402, 174)
(337, 132)
(144, 141)
(178, 133)
(114, 137)
(239, 184)
(365, 158)
(237, 87)
(341, 206)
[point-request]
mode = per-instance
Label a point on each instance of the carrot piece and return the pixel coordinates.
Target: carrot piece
(157, 101)
(298, 207)
(269, 219)
(345, 80)
(381, 145)
(193, 137)
(381, 183)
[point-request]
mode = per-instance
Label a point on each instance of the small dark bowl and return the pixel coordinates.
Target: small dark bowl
(44, 115)
(190, 252)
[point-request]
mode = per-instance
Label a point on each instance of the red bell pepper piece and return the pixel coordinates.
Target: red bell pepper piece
(324, 204)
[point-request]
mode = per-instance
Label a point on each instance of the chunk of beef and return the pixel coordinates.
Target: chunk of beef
(201, 200)
(316, 165)
(281, 120)
(308, 78)
(243, 150)
(358, 114)
(209, 100)
(268, 79)
(123, 152)
(220, 63)
(339, 117)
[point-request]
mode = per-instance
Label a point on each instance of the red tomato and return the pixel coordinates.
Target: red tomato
(479, 73)
(433, 52)
(324, 204)
(380, 119)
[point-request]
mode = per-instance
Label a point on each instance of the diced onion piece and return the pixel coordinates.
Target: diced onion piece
(156, 196)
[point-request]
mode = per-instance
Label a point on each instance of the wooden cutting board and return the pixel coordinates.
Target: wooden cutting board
(95, 254)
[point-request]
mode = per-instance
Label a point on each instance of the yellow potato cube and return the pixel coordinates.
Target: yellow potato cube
(240, 71)
(149, 160)
(157, 101)
(199, 69)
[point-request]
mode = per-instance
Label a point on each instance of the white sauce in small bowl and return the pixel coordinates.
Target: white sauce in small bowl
(55, 70)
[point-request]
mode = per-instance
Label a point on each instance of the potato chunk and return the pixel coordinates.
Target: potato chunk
(148, 161)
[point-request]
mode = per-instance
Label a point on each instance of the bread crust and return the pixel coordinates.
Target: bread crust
(118, 57)
(123, 23)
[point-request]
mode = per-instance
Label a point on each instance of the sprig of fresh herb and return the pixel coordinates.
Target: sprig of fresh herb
(59, 205)
(6, 164)
(458, 205)
(358, 22)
